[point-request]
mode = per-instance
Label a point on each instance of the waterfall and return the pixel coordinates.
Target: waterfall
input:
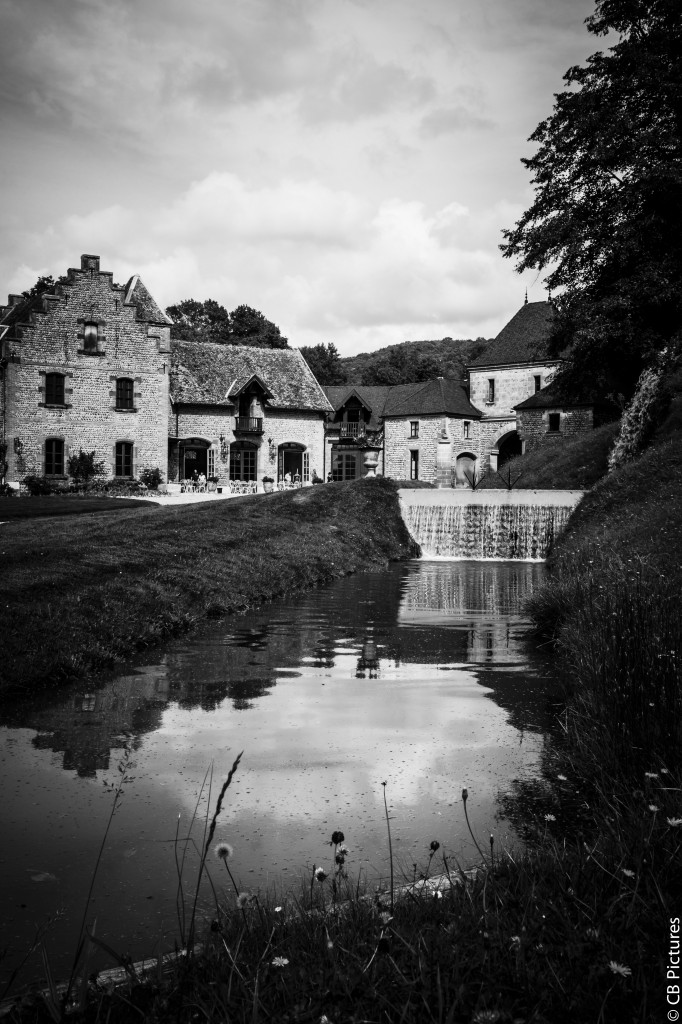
(486, 530)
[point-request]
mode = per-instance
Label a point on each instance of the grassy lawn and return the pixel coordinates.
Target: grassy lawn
(80, 593)
(56, 505)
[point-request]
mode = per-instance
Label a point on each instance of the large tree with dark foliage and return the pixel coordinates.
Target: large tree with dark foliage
(606, 223)
(209, 321)
(325, 363)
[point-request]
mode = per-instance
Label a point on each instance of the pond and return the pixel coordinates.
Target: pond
(421, 676)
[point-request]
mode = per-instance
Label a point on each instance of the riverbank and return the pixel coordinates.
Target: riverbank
(81, 594)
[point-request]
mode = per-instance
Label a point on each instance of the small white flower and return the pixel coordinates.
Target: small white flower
(653, 808)
(664, 771)
(562, 778)
(621, 969)
(278, 910)
(592, 934)
(651, 775)
(280, 961)
(515, 941)
(674, 822)
(550, 817)
(628, 873)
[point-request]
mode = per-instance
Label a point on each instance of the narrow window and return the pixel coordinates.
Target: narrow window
(54, 457)
(306, 467)
(124, 458)
(414, 428)
(90, 337)
(465, 428)
(554, 422)
(491, 390)
(124, 393)
(54, 389)
(211, 462)
(414, 465)
(538, 382)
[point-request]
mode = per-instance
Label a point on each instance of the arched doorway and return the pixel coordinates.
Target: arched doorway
(293, 459)
(193, 457)
(508, 447)
(465, 468)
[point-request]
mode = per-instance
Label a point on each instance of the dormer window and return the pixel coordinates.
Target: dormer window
(90, 336)
(491, 391)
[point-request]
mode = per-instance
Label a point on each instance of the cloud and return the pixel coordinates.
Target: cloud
(324, 264)
(446, 120)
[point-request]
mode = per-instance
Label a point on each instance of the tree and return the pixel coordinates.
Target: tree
(209, 321)
(606, 223)
(42, 285)
(83, 467)
(325, 363)
(401, 366)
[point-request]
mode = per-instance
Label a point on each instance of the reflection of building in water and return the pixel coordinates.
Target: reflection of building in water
(368, 662)
(88, 724)
(463, 591)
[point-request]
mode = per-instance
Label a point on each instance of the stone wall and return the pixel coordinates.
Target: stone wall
(398, 444)
(533, 426)
(513, 384)
(53, 342)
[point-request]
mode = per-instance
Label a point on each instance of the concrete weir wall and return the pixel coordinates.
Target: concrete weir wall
(498, 524)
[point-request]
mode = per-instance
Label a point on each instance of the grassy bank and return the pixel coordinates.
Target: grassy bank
(81, 593)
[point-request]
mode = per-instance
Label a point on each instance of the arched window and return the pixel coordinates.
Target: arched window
(54, 457)
(124, 393)
(124, 458)
(54, 389)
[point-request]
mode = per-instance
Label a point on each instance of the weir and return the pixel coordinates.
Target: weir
(486, 524)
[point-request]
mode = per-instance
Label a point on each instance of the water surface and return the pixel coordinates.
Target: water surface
(421, 677)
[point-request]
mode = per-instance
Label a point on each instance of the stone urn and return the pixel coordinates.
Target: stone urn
(371, 461)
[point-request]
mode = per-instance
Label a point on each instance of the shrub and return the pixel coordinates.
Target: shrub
(82, 467)
(151, 477)
(39, 485)
(6, 491)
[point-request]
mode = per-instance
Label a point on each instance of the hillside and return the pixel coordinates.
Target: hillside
(413, 361)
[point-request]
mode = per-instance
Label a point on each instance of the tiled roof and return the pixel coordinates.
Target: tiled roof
(523, 340)
(147, 308)
(440, 396)
(206, 374)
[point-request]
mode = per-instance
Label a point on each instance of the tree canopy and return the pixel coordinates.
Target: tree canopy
(606, 222)
(209, 321)
(325, 362)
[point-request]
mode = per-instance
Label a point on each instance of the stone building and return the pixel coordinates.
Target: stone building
(90, 365)
(242, 413)
(84, 366)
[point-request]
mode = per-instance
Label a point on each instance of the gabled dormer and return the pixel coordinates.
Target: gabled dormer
(250, 399)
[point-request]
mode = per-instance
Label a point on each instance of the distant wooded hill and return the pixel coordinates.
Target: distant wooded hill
(413, 361)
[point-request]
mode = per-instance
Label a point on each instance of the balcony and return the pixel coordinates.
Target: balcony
(248, 425)
(352, 430)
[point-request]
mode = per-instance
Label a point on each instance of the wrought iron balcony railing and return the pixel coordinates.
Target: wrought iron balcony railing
(248, 425)
(352, 429)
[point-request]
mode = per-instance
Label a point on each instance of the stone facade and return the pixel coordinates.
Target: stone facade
(537, 430)
(85, 368)
(441, 446)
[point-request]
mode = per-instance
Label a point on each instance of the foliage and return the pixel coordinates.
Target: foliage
(606, 222)
(209, 321)
(83, 467)
(42, 484)
(647, 410)
(7, 492)
(43, 284)
(413, 361)
(325, 364)
(151, 477)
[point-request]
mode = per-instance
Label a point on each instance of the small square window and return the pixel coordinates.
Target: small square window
(414, 428)
(554, 422)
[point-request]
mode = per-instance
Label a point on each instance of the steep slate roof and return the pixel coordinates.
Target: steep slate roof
(523, 340)
(147, 308)
(203, 373)
(372, 397)
(442, 395)
(551, 398)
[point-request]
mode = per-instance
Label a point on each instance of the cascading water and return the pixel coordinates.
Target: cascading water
(486, 529)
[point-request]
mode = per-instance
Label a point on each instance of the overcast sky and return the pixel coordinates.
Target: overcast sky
(344, 166)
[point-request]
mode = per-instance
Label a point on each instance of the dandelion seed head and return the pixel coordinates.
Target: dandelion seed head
(621, 969)
(320, 874)
(243, 900)
(337, 837)
(223, 851)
